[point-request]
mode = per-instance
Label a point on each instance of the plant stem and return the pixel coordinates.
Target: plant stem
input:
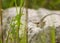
(17, 33)
(26, 24)
(1, 29)
(52, 34)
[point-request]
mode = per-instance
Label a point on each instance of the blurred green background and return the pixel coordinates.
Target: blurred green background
(49, 4)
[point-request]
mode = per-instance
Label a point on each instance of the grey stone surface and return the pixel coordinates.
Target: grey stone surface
(34, 17)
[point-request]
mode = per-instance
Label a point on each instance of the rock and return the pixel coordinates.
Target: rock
(34, 17)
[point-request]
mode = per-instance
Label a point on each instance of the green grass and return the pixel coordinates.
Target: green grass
(52, 35)
(13, 34)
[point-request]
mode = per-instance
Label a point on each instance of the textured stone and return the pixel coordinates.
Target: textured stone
(34, 17)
